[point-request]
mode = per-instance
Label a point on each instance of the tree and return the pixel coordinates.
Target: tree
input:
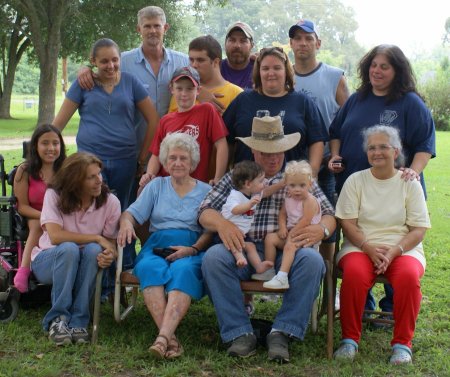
(45, 18)
(13, 43)
(436, 91)
(70, 27)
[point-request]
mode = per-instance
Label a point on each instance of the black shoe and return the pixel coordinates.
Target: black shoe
(277, 345)
(243, 346)
(79, 335)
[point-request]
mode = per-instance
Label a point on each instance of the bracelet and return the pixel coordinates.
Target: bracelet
(401, 248)
(195, 249)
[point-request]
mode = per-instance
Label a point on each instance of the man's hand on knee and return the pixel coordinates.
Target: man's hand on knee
(307, 236)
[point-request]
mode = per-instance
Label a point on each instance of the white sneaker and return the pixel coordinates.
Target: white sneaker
(265, 276)
(277, 283)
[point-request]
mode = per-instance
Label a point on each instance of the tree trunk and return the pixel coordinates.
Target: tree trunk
(18, 43)
(47, 86)
(64, 75)
(5, 98)
(45, 21)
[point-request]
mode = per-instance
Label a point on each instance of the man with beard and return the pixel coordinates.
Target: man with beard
(237, 68)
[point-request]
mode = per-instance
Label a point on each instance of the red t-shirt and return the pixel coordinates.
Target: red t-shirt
(203, 122)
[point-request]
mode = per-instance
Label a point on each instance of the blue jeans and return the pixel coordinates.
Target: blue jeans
(119, 175)
(72, 272)
(223, 277)
(386, 303)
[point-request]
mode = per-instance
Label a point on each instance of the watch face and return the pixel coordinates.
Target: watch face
(325, 230)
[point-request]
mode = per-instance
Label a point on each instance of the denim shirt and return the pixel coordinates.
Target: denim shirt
(157, 86)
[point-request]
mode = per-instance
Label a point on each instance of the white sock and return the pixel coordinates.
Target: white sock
(282, 275)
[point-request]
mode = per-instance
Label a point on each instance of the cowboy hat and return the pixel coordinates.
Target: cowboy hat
(268, 136)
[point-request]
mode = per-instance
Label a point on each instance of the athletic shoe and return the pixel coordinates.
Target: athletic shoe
(59, 333)
(79, 335)
(277, 283)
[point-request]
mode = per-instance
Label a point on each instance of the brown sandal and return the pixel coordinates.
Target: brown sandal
(159, 348)
(174, 349)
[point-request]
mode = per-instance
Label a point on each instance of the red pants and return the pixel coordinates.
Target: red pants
(403, 273)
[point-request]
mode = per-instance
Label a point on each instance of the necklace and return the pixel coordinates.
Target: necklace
(108, 87)
(110, 84)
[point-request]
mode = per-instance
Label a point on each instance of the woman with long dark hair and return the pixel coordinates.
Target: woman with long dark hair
(80, 222)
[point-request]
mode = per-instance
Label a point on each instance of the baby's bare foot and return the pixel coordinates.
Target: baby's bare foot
(263, 266)
(240, 260)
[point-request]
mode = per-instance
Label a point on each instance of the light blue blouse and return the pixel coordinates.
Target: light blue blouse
(165, 208)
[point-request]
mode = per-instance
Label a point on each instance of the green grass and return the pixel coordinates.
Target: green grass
(122, 348)
(24, 119)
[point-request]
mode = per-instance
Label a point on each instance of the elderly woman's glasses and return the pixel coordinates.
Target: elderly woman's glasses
(381, 148)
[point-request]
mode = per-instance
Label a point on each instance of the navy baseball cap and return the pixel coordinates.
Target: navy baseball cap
(188, 72)
(305, 25)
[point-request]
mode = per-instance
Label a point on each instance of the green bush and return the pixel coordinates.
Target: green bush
(437, 96)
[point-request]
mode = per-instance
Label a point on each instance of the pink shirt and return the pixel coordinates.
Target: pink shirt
(102, 221)
(294, 211)
(36, 192)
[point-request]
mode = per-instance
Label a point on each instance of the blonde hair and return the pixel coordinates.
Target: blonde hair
(298, 167)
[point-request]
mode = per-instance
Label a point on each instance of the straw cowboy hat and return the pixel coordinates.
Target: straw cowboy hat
(268, 136)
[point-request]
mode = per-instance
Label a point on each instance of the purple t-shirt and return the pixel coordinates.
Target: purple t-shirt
(242, 77)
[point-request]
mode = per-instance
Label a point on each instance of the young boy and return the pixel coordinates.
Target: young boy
(201, 121)
(248, 182)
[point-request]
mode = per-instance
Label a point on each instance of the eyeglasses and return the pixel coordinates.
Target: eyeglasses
(271, 50)
(381, 148)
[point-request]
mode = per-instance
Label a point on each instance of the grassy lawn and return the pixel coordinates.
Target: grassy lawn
(24, 111)
(122, 348)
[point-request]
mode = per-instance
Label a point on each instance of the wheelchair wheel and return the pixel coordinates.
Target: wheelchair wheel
(9, 309)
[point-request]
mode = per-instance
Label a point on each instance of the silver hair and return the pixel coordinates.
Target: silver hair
(394, 140)
(298, 168)
(182, 141)
(151, 12)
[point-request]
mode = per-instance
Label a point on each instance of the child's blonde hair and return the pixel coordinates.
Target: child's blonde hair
(298, 167)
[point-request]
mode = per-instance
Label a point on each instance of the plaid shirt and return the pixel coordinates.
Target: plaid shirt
(266, 213)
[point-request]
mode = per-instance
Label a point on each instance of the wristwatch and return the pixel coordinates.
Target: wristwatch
(326, 232)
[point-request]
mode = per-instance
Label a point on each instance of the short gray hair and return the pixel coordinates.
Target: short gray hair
(394, 139)
(182, 141)
(151, 12)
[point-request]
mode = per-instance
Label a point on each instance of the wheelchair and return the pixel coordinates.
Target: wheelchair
(13, 234)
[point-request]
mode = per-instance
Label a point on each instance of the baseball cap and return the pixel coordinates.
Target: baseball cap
(304, 25)
(246, 29)
(188, 72)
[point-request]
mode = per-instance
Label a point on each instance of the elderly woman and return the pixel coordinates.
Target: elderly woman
(384, 219)
(171, 204)
(273, 95)
(387, 95)
(80, 221)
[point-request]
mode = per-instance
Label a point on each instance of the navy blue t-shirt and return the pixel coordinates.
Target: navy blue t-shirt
(408, 114)
(298, 113)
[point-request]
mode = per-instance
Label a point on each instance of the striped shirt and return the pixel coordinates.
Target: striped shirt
(266, 213)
